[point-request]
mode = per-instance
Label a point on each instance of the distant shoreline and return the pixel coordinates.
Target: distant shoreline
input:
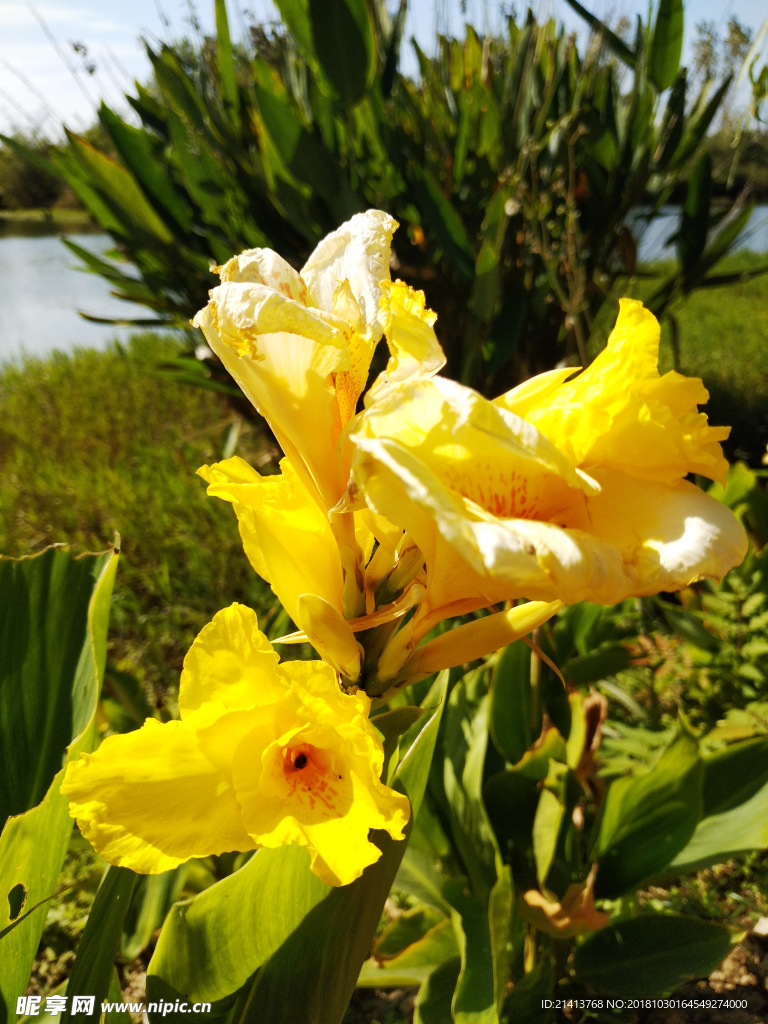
(34, 222)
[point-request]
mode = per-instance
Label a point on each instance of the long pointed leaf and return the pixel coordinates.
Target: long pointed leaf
(94, 962)
(667, 44)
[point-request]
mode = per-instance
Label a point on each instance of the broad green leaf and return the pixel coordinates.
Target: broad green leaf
(30, 155)
(726, 236)
(739, 485)
(413, 964)
(597, 665)
(392, 57)
(725, 835)
(204, 954)
(131, 287)
(61, 605)
(699, 126)
(433, 1002)
(178, 88)
(689, 626)
(525, 1001)
(404, 930)
(32, 851)
(511, 798)
(94, 960)
(198, 169)
(673, 122)
(648, 819)
(396, 721)
(53, 644)
(301, 151)
(558, 796)
(336, 936)
(118, 1014)
(734, 775)
(666, 44)
(344, 44)
(118, 188)
(511, 704)
(474, 1000)
(136, 152)
(392, 725)
(652, 954)
(419, 876)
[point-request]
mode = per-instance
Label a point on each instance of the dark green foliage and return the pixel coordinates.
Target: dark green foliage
(512, 164)
(26, 184)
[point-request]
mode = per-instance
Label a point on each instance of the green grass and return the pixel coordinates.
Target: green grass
(97, 443)
(60, 216)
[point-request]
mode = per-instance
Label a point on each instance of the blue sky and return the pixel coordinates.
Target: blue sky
(36, 86)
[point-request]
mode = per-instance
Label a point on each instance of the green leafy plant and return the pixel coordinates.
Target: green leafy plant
(517, 166)
(54, 629)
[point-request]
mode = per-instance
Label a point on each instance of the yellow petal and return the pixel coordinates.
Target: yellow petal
(357, 252)
(300, 346)
(286, 535)
(413, 345)
(150, 799)
(315, 685)
(631, 538)
(534, 392)
(317, 782)
(247, 314)
(265, 266)
(480, 451)
(480, 637)
(668, 537)
(287, 378)
(620, 414)
(471, 555)
(231, 662)
(330, 634)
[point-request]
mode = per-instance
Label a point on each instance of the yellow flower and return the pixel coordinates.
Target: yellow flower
(557, 492)
(264, 754)
(621, 414)
(300, 344)
(289, 542)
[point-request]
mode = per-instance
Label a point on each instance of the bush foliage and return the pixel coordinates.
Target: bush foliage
(514, 163)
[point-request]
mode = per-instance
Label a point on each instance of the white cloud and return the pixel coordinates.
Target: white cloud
(17, 14)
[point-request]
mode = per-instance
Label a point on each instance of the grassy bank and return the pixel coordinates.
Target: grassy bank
(97, 443)
(64, 219)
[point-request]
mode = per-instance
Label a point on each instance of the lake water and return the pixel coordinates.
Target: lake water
(41, 292)
(42, 289)
(653, 238)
